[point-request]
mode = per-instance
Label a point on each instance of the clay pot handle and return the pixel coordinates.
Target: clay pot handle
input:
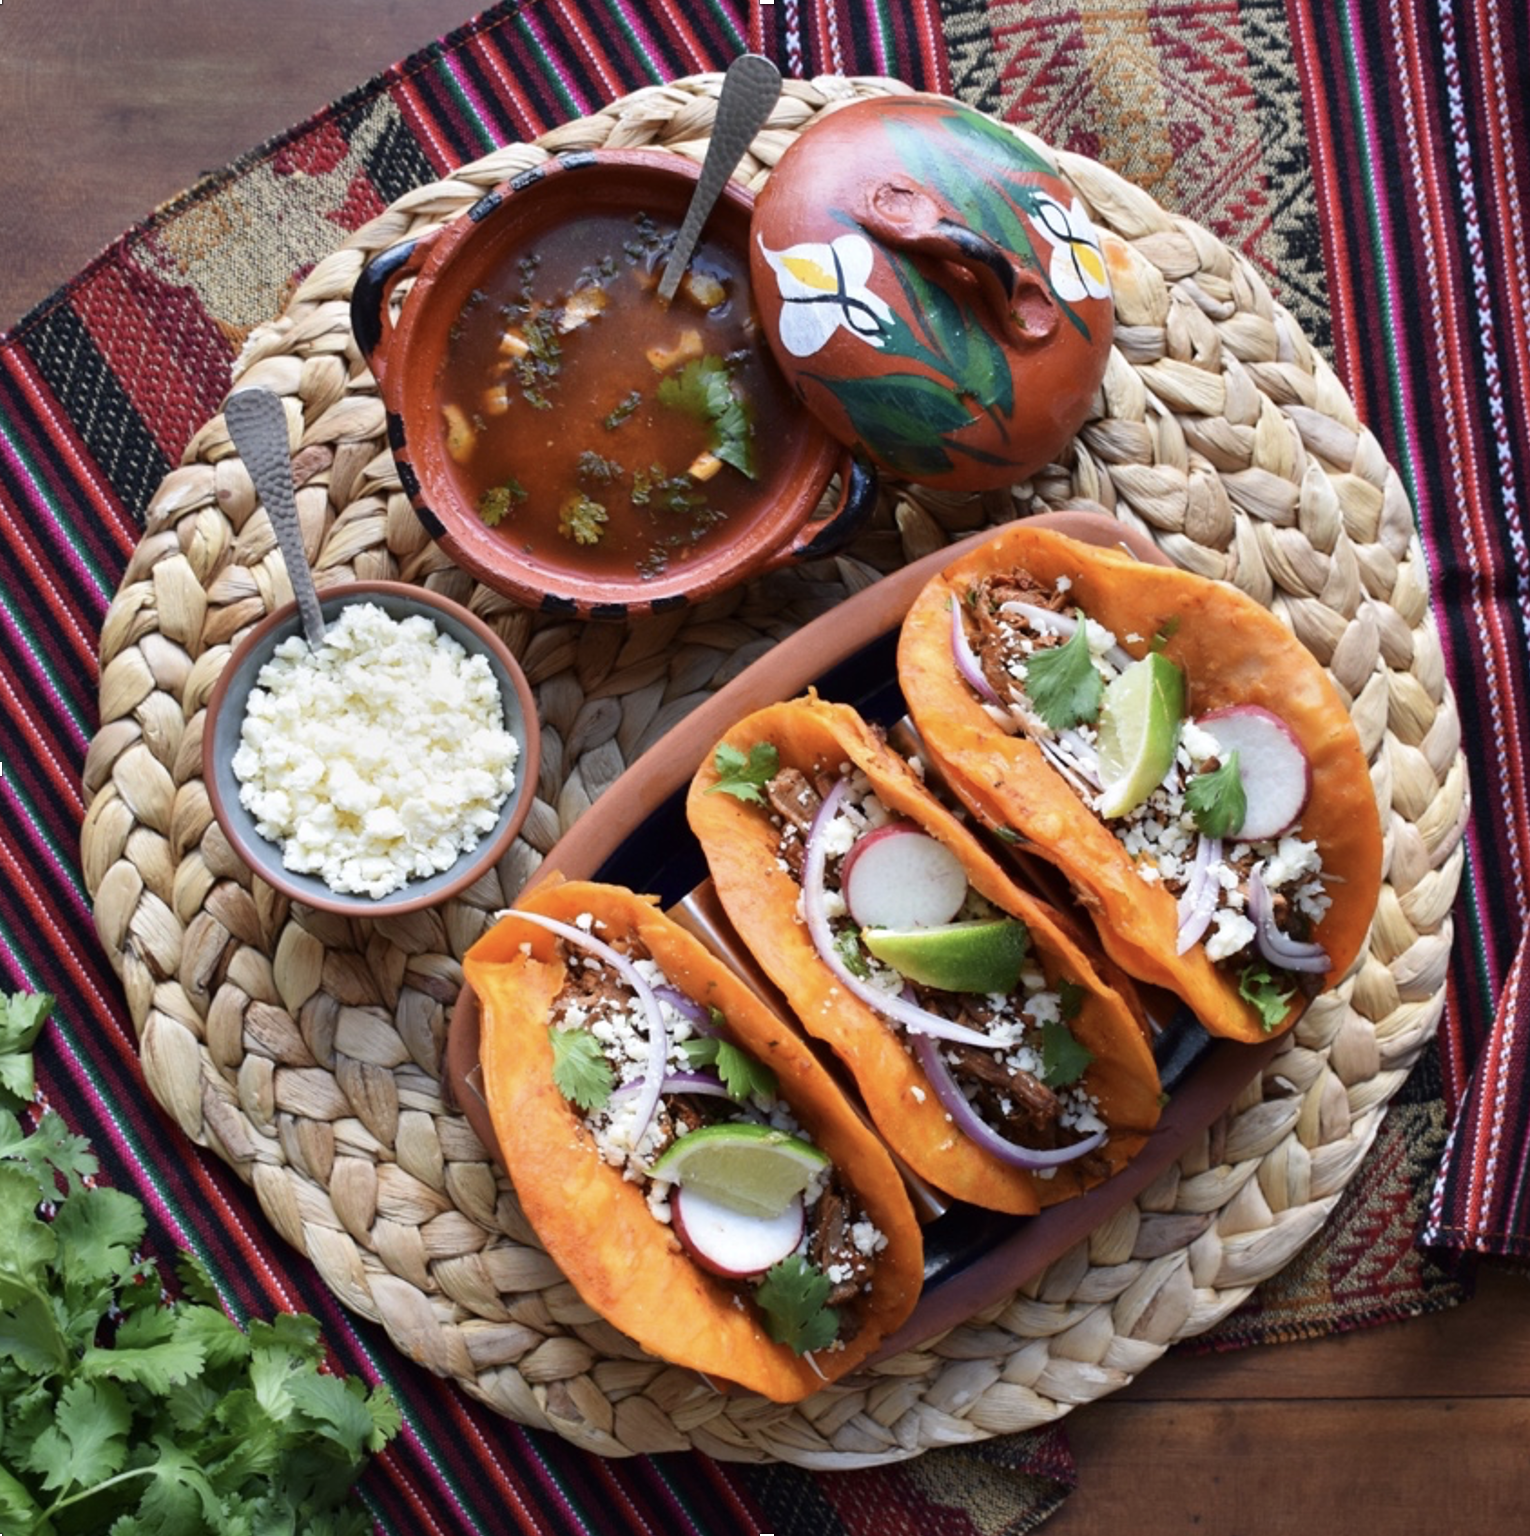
(906, 218)
(371, 321)
(857, 499)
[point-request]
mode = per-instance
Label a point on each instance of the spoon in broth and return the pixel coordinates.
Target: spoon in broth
(750, 90)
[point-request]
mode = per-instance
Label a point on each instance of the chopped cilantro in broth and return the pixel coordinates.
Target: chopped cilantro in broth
(598, 428)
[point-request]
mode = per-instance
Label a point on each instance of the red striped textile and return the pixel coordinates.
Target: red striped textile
(1417, 120)
(1373, 161)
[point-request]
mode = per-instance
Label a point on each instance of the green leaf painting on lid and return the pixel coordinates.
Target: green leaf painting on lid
(903, 418)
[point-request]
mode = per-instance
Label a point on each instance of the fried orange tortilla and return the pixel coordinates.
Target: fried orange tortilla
(761, 899)
(597, 1226)
(1233, 651)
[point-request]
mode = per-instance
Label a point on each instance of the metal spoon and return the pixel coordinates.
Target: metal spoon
(258, 426)
(749, 91)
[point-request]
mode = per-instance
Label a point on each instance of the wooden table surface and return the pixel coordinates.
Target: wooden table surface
(110, 107)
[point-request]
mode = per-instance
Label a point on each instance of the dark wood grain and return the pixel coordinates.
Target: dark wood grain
(111, 107)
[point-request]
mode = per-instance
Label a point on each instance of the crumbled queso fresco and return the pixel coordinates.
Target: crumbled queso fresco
(377, 758)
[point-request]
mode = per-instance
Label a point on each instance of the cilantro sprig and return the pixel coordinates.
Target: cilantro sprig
(1264, 994)
(703, 388)
(741, 1074)
(581, 1072)
(793, 1297)
(744, 777)
(1063, 1058)
(129, 1413)
(1216, 800)
(1063, 685)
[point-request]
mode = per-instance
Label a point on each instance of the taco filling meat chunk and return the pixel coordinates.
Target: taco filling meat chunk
(1209, 809)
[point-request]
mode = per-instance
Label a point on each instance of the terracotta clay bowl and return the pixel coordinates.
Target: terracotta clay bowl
(415, 345)
(225, 718)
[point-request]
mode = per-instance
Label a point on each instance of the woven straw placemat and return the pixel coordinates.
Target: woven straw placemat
(307, 1051)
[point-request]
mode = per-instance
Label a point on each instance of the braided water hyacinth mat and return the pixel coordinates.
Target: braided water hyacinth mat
(307, 1051)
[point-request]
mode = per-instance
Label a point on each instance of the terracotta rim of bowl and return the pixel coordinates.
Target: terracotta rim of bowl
(258, 856)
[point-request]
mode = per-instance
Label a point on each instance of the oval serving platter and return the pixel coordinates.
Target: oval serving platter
(636, 835)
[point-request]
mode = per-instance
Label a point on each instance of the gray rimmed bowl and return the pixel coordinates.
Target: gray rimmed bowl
(225, 719)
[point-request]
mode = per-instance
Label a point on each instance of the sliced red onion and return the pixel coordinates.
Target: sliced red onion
(707, 1084)
(658, 1035)
(917, 1020)
(1198, 900)
(967, 663)
(972, 1125)
(1063, 624)
(1277, 947)
(687, 1008)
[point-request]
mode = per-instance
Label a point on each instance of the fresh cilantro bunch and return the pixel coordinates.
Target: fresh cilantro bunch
(123, 1411)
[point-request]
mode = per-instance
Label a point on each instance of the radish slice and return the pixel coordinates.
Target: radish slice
(815, 911)
(900, 877)
(1276, 775)
(1198, 901)
(658, 1035)
(1277, 947)
(975, 1128)
(729, 1243)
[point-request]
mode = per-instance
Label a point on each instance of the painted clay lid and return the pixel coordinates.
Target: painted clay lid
(933, 290)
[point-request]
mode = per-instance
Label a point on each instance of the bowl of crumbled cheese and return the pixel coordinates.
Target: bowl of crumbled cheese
(382, 771)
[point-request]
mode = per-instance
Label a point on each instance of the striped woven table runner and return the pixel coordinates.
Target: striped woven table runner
(1372, 165)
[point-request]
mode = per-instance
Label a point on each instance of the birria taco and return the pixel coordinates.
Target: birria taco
(983, 1043)
(1168, 744)
(681, 1154)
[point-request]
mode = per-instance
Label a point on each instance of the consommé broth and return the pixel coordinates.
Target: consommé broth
(598, 428)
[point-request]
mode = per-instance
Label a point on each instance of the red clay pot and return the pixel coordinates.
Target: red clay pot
(934, 290)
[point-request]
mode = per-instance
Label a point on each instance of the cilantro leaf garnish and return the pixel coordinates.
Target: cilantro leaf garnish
(741, 1074)
(127, 1410)
(703, 389)
(1071, 995)
(495, 504)
(1063, 686)
(847, 944)
(582, 519)
(1063, 1059)
(580, 1071)
(1216, 800)
(744, 777)
(1260, 990)
(622, 410)
(793, 1297)
(1164, 633)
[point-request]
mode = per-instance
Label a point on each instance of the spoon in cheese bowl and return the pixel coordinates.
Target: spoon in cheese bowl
(257, 424)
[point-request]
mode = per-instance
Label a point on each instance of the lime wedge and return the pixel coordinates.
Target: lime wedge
(955, 957)
(1139, 731)
(749, 1168)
